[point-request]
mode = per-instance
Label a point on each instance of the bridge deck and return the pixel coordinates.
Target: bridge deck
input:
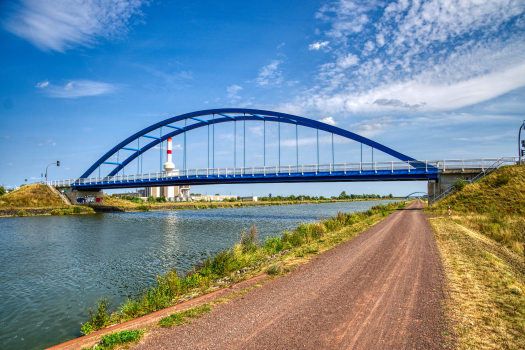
(378, 171)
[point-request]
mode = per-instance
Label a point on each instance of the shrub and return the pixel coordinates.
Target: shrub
(56, 212)
(66, 211)
(23, 213)
(161, 199)
(151, 199)
(113, 340)
(143, 208)
(77, 210)
(275, 269)
(502, 179)
(460, 184)
(221, 263)
(99, 318)
(250, 241)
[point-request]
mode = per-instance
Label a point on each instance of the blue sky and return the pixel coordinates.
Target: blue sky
(432, 79)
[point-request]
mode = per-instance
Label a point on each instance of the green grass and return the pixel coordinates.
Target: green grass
(35, 195)
(114, 340)
(170, 288)
(485, 283)
(494, 206)
(180, 318)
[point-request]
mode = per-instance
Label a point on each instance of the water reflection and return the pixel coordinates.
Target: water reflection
(52, 269)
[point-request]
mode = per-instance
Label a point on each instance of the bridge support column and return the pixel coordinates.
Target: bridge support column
(447, 179)
(86, 197)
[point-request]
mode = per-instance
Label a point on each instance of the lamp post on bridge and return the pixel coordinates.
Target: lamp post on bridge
(57, 163)
(521, 143)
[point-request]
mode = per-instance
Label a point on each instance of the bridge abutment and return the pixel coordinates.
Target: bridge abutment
(446, 180)
(85, 197)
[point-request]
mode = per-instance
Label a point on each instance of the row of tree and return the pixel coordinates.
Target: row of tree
(343, 195)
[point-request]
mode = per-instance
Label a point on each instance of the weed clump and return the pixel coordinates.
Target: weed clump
(99, 318)
(180, 318)
(113, 340)
(56, 212)
(460, 184)
(143, 208)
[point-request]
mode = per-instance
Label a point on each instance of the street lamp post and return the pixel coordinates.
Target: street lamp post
(521, 143)
(57, 163)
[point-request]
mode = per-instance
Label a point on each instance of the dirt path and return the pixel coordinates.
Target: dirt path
(380, 290)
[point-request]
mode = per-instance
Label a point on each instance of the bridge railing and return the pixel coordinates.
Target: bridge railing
(425, 166)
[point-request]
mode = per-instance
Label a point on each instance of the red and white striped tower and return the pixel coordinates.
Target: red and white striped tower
(169, 166)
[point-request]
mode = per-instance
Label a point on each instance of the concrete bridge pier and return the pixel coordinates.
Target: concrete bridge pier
(95, 197)
(446, 180)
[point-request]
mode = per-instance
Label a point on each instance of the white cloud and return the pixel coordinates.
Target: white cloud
(42, 84)
(329, 120)
(232, 92)
(280, 45)
(6, 137)
(59, 25)
(270, 74)
(431, 55)
(318, 45)
(79, 88)
(9, 164)
(482, 138)
(347, 61)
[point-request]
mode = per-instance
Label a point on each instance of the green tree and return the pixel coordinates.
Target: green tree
(2, 190)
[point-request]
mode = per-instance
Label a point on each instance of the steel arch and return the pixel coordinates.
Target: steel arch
(248, 114)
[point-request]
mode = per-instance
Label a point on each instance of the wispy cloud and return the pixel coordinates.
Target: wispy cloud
(77, 88)
(232, 92)
(482, 138)
(6, 137)
(270, 74)
(430, 55)
(42, 84)
(59, 25)
(318, 45)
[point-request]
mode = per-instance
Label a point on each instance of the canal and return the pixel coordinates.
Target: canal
(54, 268)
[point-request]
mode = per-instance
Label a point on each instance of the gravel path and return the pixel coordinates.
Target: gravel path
(380, 290)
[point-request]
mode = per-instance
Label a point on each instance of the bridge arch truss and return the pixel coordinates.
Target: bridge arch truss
(224, 115)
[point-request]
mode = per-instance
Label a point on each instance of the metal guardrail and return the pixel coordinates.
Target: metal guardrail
(427, 166)
(497, 164)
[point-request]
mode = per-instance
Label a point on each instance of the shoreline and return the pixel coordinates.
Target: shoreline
(304, 243)
(69, 210)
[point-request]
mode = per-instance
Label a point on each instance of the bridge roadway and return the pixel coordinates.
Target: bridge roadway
(377, 171)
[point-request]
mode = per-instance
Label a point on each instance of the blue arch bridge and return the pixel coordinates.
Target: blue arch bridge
(404, 168)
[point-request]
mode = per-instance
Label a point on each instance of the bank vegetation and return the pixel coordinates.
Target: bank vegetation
(481, 246)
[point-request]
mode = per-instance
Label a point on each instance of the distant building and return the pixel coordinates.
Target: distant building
(249, 198)
(171, 193)
(212, 198)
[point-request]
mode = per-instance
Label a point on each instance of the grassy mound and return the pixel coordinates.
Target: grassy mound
(494, 206)
(35, 195)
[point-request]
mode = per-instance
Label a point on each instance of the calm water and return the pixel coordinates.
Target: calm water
(53, 269)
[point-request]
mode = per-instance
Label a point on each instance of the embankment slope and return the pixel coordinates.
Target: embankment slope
(481, 247)
(34, 195)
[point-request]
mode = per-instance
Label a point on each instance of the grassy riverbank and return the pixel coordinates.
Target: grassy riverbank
(249, 257)
(36, 200)
(129, 206)
(481, 246)
(494, 206)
